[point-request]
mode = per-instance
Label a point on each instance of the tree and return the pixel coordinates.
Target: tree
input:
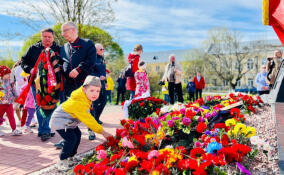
(7, 62)
(36, 14)
(194, 62)
(226, 55)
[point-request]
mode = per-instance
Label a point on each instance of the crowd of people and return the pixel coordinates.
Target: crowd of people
(51, 81)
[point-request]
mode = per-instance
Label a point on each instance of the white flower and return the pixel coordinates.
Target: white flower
(256, 140)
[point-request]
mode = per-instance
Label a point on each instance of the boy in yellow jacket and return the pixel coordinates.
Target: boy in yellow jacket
(68, 115)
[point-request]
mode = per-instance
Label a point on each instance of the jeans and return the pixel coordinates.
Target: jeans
(43, 123)
(167, 98)
(108, 95)
(198, 92)
(71, 142)
(175, 88)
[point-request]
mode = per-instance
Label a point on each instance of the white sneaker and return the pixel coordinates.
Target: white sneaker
(64, 165)
(16, 132)
(28, 130)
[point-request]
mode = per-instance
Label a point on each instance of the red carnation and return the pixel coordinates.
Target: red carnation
(43, 102)
(141, 104)
(201, 127)
(235, 111)
(45, 66)
(48, 98)
(225, 140)
(100, 147)
(131, 165)
(183, 164)
(79, 169)
(196, 153)
(122, 122)
(119, 171)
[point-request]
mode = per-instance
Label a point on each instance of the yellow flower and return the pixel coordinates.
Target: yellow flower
(230, 122)
(205, 111)
(155, 172)
(240, 128)
(149, 136)
(1, 94)
(160, 135)
(132, 158)
(250, 132)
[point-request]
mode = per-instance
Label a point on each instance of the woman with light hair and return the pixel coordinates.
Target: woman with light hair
(173, 74)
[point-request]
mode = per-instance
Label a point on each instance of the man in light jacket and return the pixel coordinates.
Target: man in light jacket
(173, 74)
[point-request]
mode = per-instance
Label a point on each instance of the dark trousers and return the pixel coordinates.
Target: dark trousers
(191, 96)
(262, 92)
(198, 92)
(118, 95)
(71, 141)
(175, 88)
(99, 104)
(108, 95)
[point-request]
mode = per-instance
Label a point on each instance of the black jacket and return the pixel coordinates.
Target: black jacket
(80, 55)
(121, 84)
(31, 56)
(99, 67)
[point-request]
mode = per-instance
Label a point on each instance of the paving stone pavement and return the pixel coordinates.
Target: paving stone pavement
(27, 153)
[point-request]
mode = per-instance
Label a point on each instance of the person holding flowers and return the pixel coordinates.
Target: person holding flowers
(67, 116)
(42, 61)
(7, 99)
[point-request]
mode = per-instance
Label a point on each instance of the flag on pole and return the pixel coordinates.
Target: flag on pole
(273, 15)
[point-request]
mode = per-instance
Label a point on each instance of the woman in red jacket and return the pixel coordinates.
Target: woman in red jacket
(134, 59)
(199, 84)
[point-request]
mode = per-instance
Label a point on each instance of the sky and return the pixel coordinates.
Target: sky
(161, 25)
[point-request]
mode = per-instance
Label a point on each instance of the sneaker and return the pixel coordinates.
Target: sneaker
(28, 130)
(59, 145)
(76, 160)
(100, 122)
(16, 132)
(52, 134)
(45, 137)
(64, 165)
(92, 135)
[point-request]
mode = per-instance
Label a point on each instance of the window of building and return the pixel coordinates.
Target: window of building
(250, 82)
(214, 82)
(225, 82)
(263, 61)
(236, 65)
(239, 83)
(250, 64)
(157, 68)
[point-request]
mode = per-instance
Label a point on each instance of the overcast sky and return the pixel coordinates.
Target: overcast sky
(165, 24)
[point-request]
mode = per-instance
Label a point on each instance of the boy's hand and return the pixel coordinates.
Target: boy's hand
(106, 134)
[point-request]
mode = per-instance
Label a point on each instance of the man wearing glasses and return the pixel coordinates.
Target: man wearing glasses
(79, 56)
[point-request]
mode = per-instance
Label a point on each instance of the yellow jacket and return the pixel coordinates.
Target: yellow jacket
(110, 84)
(78, 106)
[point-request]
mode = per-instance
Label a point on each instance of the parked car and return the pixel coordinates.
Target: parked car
(246, 89)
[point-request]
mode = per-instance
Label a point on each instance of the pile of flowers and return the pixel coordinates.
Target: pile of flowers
(143, 107)
(157, 144)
